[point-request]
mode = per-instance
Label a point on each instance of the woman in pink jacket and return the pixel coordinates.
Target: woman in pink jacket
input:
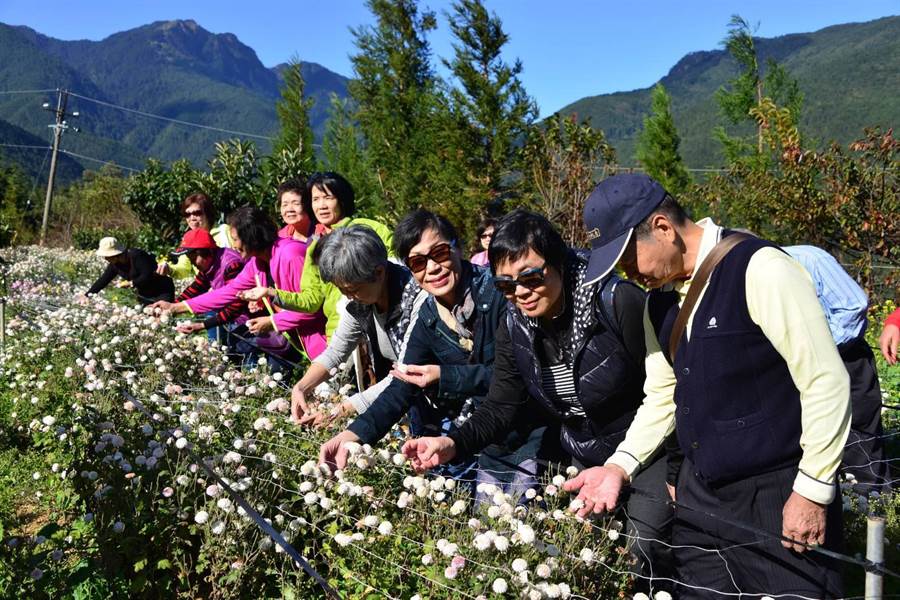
(271, 261)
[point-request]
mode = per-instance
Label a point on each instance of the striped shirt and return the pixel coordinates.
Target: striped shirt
(558, 382)
(201, 285)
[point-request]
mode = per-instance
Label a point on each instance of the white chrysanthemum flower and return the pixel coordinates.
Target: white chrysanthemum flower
(458, 507)
(201, 517)
(213, 490)
(49, 420)
(342, 539)
(427, 559)
(501, 543)
(499, 586)
(181, 443)
(519, 565)
(218, 527)
(612, 534)
(385, 528)
(641, 596)
(558, 480)
(662, 595)
(586, 555)
(543, 570)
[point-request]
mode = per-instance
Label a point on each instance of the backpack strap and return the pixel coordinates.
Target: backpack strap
(608, 304)
(698, 282)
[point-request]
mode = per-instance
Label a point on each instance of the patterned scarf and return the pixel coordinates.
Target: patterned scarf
(578, 307)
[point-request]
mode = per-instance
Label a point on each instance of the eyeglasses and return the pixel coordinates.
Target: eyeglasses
(439, 253)
(193, 213)
(487, 234)
(529, 278)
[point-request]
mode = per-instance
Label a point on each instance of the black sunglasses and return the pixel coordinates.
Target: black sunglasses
(529, 278)
(439, 253)
(193, 213)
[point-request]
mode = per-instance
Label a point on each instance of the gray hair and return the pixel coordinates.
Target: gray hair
(349, 255)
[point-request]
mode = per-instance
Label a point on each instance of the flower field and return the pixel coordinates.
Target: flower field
(121, 442)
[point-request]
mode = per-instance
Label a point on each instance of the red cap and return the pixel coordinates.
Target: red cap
(195, 239)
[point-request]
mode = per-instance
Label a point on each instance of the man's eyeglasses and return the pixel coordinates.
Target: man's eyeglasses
(439, 253)
(529, 278)
(193, 213)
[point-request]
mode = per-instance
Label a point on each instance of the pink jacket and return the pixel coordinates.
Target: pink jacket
(286, 267)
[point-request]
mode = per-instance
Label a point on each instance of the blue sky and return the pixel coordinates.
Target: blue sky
(570, 48)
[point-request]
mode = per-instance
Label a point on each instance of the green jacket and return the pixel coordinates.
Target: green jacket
(315, 293)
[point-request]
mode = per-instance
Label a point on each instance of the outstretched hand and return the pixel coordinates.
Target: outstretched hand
(334, 453)
(598, 488)
(428, 452)
(257, 293)
(419, 375)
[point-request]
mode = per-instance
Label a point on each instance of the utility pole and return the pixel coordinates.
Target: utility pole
(58, 127)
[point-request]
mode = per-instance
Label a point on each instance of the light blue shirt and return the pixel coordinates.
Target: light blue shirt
(844, 302)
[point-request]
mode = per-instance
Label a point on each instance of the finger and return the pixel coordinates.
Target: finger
(410, 448)
(325, 454)
(295, 411)
(341, 457)
(415, 369)
(574, 484)
(586, 509)
(400, 375)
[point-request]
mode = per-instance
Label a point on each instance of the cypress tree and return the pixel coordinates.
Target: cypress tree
(657, 146)
(293, 114)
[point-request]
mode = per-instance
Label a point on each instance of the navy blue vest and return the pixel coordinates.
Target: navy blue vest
(737, 408)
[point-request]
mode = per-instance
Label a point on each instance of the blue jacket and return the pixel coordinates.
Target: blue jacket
(464, 375)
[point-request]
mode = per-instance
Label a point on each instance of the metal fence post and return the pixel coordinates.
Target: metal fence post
(874, 554)
(2, 324)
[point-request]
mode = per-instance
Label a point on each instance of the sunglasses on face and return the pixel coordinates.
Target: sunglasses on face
(529, 278)
(439, 253)
(487, 235)
(193, 213)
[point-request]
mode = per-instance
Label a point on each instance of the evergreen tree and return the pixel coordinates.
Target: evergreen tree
(398, 108)
(293, 114)
(342, 151)
(491, 106)
(657, 146)
(748, 90)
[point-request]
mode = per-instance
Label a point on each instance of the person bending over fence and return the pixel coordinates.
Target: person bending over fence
(384, 299)
(136, 267)
(284, 333)
(215, 267)
(446, 367)
(741, 363)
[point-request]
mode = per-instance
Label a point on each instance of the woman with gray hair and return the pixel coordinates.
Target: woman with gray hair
(383, 297)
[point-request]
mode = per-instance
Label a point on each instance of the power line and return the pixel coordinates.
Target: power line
(30, 146)
(171, 120)
(97, 160)
(6, 92)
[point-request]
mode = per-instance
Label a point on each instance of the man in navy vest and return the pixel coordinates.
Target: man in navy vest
(756, 391)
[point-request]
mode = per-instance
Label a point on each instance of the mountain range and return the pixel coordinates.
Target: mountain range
(849, 75)
(175, 69)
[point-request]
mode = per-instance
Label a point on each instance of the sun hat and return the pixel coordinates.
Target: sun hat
(109, 246)
(195, 239)
(611, 212)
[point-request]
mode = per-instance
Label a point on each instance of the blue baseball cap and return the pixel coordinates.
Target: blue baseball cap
(611, 212)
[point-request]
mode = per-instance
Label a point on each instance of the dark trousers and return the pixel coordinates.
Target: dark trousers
(864, 452)
(648, 518)
(718, 556)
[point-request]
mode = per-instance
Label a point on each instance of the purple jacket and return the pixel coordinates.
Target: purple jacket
(286, 267)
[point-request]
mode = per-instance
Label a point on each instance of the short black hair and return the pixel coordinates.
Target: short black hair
(485, 224)
(522, 230)
(298, 187)
(254, 228)
(415, 223)
(338, 186)
(668, 207)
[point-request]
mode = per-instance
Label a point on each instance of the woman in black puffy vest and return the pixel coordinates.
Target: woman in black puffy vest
(575, 347)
